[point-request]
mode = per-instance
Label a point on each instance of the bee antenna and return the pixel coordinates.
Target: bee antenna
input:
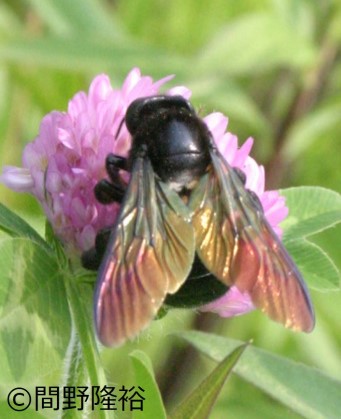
(119, 128)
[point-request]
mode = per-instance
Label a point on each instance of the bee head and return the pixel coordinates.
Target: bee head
(152, 106)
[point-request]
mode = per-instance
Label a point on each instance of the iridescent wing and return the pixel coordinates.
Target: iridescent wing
(149, 254)
(237, 244)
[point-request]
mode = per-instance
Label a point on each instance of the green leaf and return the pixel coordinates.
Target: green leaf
(299, 14)
(307, 391)
(311, 209)
(255, 43)
(50, 14)
(201, 401)
(77, 53)
(315, 265)
(35, 296)
(15, 226)
(65, 17)
(34, 320)
(152, 406)
(55, 244)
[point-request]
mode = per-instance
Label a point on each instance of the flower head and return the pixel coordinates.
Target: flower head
(66, 160)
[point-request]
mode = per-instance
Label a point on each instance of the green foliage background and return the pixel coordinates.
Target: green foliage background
(272, 66)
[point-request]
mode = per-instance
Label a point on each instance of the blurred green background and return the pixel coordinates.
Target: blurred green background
(272, 66)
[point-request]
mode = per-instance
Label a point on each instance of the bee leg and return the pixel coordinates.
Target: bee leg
(108, 192)
(91, 259)
(102, 239)
(115, 163)
(113, 190)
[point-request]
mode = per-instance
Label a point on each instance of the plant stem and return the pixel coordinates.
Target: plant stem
(85, 345)
(75, 374)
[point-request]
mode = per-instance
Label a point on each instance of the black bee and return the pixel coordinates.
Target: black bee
(184, 203)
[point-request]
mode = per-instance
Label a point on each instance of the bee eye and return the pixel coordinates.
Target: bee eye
(133, 114)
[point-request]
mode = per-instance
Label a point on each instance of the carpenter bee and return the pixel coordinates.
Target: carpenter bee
(184, 210)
